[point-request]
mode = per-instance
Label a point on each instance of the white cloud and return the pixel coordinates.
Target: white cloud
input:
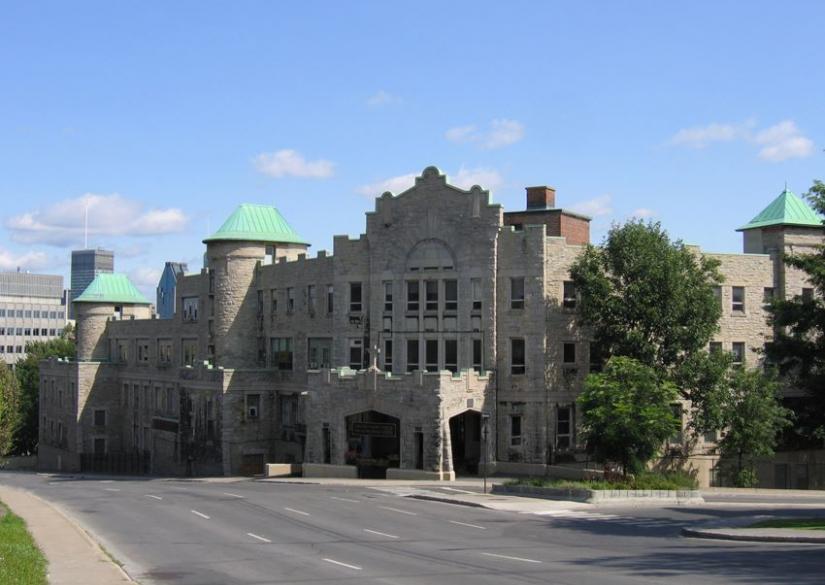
(62, 224)
(465, 178)
(26, 261)
(501, 132)
(643, 212)
(145, 277)
(596, 207)
(783, 141)
(701, 136)
(289, 163)
(382, 98)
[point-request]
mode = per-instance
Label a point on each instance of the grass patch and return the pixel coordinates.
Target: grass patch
(798, 523)
(21, 562)
(643, 481)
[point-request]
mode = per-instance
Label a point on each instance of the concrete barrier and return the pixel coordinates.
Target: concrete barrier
(282, 469)
(636, 497)
(325, 470)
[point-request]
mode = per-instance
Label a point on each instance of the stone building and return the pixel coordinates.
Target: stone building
(442, 339)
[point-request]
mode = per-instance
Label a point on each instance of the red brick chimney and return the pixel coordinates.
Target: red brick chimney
(542, 197)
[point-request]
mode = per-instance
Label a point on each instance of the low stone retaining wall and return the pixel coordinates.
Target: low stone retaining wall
(326, 470)
(602, 496)
(282, 469)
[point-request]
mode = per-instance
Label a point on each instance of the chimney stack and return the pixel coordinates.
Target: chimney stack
(542, 197)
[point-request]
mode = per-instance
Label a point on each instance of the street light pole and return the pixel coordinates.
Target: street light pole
(485, 418)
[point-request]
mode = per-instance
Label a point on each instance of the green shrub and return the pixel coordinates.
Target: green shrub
(647, 480)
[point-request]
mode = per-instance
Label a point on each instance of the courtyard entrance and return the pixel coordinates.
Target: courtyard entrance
(372, 443)
(465, 437)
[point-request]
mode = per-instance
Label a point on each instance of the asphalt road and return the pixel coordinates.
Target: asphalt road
(252, 532)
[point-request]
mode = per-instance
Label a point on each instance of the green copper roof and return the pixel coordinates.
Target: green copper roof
(256, 223)
(112, 288)
(787, 209)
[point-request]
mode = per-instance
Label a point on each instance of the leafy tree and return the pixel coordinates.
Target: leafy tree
(647, 297)
(798, 347)
(9, 398)
(627, 413)
(28, 377)
(753, 420)
(703, 378)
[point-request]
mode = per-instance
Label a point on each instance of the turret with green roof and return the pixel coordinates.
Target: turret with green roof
(774, 228)
(256, 223)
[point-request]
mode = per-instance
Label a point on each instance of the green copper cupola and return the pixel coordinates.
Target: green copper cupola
(256, 223)
(787, 209)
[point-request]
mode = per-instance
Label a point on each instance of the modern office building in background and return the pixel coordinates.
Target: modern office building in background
(167, 285)
(86, 265)
(32, 308)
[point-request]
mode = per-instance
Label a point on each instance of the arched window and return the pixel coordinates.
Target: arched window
(430, 255)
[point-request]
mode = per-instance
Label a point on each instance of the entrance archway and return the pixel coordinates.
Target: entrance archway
(465, 438)
(372, 443)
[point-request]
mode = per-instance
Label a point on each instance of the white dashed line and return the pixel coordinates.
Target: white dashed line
(470, 525)
(233, 495)
(153, 497)
(297, 511)
(353, 567)
(379, 533)
(261, 538)
(196, 513)
(345, 500)
(399, 511)
(510, 558)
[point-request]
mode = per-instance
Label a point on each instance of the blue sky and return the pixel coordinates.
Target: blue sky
(162, 117)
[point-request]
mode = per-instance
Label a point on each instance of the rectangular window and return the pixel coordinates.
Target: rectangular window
(189, 351)
(767, 295)
(100, 418)
(143, 352)
(273, 301)
(569, 295)
(451, 355)
(451, 295)
(388, 297)
(431, 292)
(738, 351)
(412, 355)
(290, 300)
(355, 305)
(413, 295)
(36, 314)
(190, 309)
(807, 295)
(100, 446)
(738, 299)
(677, 437)
(388, 355)
(431, 324)
(597, 357)
(515, 430)
(569, 353)
(475, 285)
(431, 355)
(356, 354)
(253, 406)
(164, 351)
(516, 293)
(715, 347)
(563, 428)
(478, 364)
(386, 324)
(517, 357)
(311, 299)
(281, 350)
(319, 351)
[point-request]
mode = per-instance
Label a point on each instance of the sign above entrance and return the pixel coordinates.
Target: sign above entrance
(372, 429)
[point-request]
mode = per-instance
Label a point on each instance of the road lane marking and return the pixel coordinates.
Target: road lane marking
(379, 533)
(111, 489)
(465, 524)
(233, 495)
(510, 558)
(345, 500)
(353, 567)
(196, 513)
(297, 511)
(153, 497)
(460, 491)
(261, 538)
(399, 511)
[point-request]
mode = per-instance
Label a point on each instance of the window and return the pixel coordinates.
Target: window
(715, 347)
(273, 301)
(388, 355)
(388, 296)
(569, 295)
(431, 295)
(738, 299)
(281, 348)
(189, 351)
(28, 314)
(515, 430)
(386, 324)
(412, 355)
(711, 437)
(170, 400)
(143, 352)
(807, 295)
(164, 351)
(27, 332)
(451, 295)
(677, 437)
(190, 309)
(475, 322)
(475, 285)
(355, 297)
(767, 295)
(356, 354)
(253, 406)
(288, 406)
(36, 314)
(517, 361)
(478, 365)
(2, 312)
(563, 428)
(319, 352)
(413, 295)
(259, 299)
(290, 300)
(569, 353)
(431, 355)
(738, 351)
(516, 293)
(311, 299)
(100, 418)
(330, 299)
(100, 446)
(597, 357)
(431, 324)
(451, 355)
(450, 324)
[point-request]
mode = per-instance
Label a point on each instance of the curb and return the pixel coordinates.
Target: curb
(723, 534)
(445, 500)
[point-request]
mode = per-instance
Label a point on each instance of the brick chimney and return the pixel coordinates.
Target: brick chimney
(542, 197)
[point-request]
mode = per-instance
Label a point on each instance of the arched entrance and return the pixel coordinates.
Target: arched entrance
(465, 438)
(372, 443)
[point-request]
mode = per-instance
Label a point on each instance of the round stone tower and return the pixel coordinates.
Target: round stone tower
(108, 296)
(252, 234)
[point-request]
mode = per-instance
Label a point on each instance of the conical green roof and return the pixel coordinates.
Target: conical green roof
(787, 209)
(112, 288)
(256, 223)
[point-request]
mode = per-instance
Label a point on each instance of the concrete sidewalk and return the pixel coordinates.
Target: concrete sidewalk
(737, 529)
(74, 558)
